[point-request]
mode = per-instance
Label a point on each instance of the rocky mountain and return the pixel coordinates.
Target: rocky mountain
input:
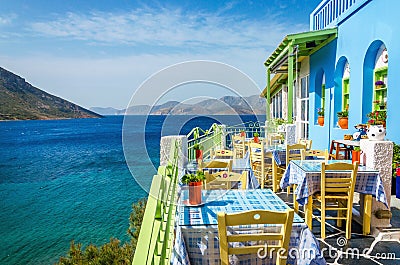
(228, 105)
(20, 100)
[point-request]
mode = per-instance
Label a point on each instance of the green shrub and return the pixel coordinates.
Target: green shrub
(111, 253)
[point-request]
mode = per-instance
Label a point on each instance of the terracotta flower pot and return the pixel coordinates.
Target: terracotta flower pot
(195, 192)
(321, 120)
(343, 122)
(242, 134)
(256, 140)
(199, 154)
(355, 156)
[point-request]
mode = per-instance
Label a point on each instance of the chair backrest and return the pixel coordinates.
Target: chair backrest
(212, 180)
(306, 142)
(239, 146)
(274, 139)
(223, 153)
(293, 152)
(315, 154)
(343, 182)
(222, 180)
(216, 164)
(256, 152)
(256, 217)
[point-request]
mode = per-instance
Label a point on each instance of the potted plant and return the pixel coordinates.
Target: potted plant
(256, 139)
(195, 182)
(321, 118)
(242, 133)
(355, 154)
(379, 84)
(199, 152)
(377, 118)
(343, 119)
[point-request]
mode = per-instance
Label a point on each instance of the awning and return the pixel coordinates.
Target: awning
(293, 49)
(305, 44)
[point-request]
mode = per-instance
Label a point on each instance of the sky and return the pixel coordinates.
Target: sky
(97, 53)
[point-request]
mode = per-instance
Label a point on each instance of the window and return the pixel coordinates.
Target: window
(303, 106)
(277, 105)
(380, 91)
(346, 93)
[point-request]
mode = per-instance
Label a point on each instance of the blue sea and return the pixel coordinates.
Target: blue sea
(64, 180)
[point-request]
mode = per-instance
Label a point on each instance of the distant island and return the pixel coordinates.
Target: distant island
(227, 105)
(20, 100)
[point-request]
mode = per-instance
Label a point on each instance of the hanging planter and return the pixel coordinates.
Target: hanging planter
(321, 113)
(343, 121)
(321, 120)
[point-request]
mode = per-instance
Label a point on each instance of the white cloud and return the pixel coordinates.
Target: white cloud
(104, 80)
(168, 27)
(7, 19)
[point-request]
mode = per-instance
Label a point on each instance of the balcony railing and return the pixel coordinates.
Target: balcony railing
(330, 13)
(249, 128)
(156, 236)
(208, 140)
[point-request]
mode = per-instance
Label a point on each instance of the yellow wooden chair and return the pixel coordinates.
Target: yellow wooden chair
(319, 154)
(261, 167)
(222, 153)
(277, 174)
(216, 164)
(277, 241)
(306, 142)
(239, 146)
(336, 195)
(224, 180)
(293, 152)
(274, 139)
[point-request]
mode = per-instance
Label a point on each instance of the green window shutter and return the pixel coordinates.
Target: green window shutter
(345, 93)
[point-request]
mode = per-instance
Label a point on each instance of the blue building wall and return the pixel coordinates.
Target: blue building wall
(359, 37)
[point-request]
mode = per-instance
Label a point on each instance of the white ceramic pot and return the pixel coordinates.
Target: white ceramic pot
(376, 132)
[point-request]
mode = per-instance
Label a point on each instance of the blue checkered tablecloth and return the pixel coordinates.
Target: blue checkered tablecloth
(306, 174)
(197, 232)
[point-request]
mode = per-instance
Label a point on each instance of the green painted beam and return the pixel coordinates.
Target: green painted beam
(268, 110)
(290, 84)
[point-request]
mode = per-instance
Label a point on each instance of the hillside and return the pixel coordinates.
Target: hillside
(20, 100)
(227, 105)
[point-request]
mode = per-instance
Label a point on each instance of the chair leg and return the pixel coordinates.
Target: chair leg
(295, 203)
(323, 219)
(339, 221)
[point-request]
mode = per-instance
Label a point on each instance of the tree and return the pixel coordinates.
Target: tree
(111, 253)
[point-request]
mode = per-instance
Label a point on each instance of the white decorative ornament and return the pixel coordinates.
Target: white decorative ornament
(376, 133)
(385, 56)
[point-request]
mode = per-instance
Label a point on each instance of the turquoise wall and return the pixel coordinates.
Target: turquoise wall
(359, 37)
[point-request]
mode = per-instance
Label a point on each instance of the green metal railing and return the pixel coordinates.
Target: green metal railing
(208, 140)
(156, 236)
(249, 128)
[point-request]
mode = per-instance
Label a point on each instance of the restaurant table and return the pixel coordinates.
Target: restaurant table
(342, 145)
(306, 174)
(197, 228)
